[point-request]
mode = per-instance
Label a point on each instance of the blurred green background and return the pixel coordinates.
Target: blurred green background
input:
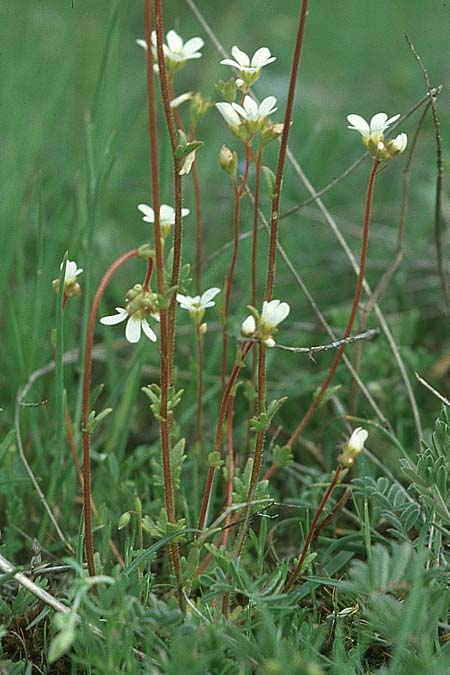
(74, 107)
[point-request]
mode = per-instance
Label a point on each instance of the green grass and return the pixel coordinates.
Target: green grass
(74, 167)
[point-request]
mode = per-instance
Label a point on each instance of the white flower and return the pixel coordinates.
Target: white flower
(136, 322)
(252, 112)
(72, 271)
(375, 130)
(197, 305)
(248, 327)
(357, 440)
(249, 113)
(229, 115)
(249, 69)
(398, 144)
(175, 51)
(166, 216)
(179, 51)
(273, 313)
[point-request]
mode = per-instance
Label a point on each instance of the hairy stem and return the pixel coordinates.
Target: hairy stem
(164, 350)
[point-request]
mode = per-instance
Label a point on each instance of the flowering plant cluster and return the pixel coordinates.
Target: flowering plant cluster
(154, 305)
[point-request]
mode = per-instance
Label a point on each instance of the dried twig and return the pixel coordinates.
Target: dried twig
(434, 391)
(438, 217)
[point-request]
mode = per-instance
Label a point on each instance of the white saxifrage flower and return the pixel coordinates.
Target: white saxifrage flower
(248, 327)
(197, 305)
(71, 285)
(176, 51)
(373, 135)
(166, 216)
(249, 69)
(261, 326)
(72, 271)
(398, 144)
(375, 130)
(141, 304)
(353, 447)
(134, 325)
(273, 313)
(250, 115)
(229, 114)
(357, 439)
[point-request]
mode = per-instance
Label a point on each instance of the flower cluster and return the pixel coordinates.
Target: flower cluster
(373, 135)
(141, 304)
(247, 118)
(262, 326)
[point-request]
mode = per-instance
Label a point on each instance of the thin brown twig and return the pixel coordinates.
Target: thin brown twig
(434, 391)
(438, 215)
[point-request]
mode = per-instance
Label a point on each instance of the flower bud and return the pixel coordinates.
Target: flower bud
(199, 107)
(228, 160)
(203, 328)
(354, 447)
(248, 327)
(227, 90)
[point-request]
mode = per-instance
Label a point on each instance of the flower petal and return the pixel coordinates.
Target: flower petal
(378, 123)
(149, 214)
(167, 214)
(240, 56)
(230, 62)
(359, 124)
(262, 57)
(142, 43)
(113, 319)
(192, 46)
(229, 114)
(208, 295)
(267, 106)
(148, 331)
(174, 41)
(184, 212)
(133, 330)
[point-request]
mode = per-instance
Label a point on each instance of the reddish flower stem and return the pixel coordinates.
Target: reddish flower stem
(165, 376)
(229, 501)
(275, 215)
(255, 224)
(356, 298)
(177, 183)
(148, 276)
(298, 569)
(219, 431)
(238, 192)
(86, 405)
(199, 414)
(271, 265)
